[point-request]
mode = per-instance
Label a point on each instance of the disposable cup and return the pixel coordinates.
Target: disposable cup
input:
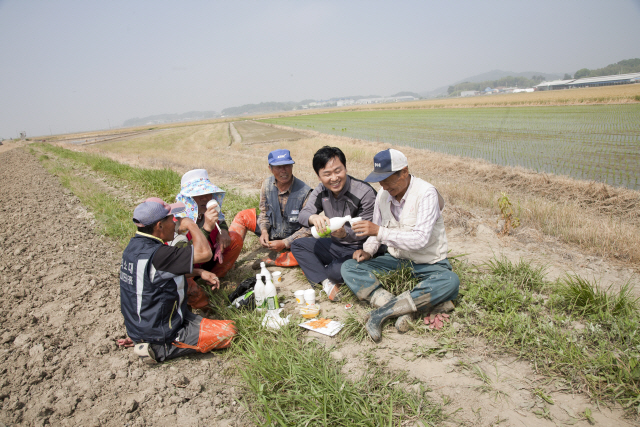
(276, 276)
(310, 296)
(300, 297)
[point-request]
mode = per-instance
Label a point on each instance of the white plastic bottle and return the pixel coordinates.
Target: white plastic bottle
(271, 296)
(266, 274)
(259, 292)
(334, 224)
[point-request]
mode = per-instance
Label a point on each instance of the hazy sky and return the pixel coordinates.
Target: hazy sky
(77, 65)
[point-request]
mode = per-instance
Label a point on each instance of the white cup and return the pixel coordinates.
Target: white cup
(276, 276)
(310, 296)
(299, 297)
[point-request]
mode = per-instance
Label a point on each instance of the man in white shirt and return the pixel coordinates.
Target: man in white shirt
(407, 218)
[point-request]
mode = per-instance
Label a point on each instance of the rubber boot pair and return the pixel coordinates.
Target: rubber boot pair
(403, 304)
(381, 297)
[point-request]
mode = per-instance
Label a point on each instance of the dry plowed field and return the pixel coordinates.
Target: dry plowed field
(60, 317)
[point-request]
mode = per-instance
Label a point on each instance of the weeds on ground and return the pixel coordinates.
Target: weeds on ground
(516, 310)
(163, 183)
(511, 221)
(293, 381)
(112, 214)
(354, 328)
(398, 281)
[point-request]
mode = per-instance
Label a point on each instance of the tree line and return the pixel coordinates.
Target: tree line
(625, 66)
(508, 81)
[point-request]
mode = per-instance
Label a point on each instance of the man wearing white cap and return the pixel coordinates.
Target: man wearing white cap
(152, 288)
(407, 218)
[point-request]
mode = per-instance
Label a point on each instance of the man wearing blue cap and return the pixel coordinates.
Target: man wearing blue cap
(407, 217)
(152, 288)
(282, 196)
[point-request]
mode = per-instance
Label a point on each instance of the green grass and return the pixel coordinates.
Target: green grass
(292, 381)
(163, 183)
(595, 142)
(570, 328)
(112, 214)
(398, 281)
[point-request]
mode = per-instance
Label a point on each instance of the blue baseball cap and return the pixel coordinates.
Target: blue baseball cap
(280, 157)
(153, 210)
(385, 164)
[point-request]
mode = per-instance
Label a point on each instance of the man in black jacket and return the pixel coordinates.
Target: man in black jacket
(337, 195)
(153, 288)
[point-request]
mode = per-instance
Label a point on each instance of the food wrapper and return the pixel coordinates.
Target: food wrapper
(323, 326)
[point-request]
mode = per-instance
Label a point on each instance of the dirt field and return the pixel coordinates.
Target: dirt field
(61, 316)
(257, 133)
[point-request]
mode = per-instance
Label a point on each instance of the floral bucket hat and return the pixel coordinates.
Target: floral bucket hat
(196, 183)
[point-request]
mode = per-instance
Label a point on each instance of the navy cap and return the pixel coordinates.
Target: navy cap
(385, 164)
(153, 210)
(280, 157)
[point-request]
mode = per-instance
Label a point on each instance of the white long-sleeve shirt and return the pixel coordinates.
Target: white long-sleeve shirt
(427, 215)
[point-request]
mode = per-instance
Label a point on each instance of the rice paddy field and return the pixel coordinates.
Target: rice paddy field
(590, 142)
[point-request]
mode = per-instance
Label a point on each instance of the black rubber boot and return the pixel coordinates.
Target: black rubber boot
(402, 304)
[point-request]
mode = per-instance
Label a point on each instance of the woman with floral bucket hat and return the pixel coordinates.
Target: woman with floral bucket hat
(195, 192)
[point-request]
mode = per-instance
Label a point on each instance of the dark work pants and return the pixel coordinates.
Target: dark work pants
(321, 258)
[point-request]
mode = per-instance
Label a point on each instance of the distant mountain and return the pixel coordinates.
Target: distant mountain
(414, 94)
(261, 108)
(170, 118)
(489, 75)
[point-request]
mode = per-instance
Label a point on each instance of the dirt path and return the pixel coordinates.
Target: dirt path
(61, 316)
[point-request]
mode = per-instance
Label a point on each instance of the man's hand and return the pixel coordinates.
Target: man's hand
(340, 233)
(211, 279)
(185, 223)
(210, 219)
(277, 245)
(223, 240)
(365, 228)
(360, 255)
(264, 239)
(321, 222)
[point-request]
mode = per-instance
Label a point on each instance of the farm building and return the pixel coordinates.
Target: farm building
(469, 93)
(619, 79)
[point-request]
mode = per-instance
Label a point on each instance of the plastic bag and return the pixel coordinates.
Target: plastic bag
(243, 295)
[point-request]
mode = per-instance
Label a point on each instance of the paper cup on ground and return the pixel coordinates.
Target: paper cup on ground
(276, 276)
(310, 296)
(299, 297)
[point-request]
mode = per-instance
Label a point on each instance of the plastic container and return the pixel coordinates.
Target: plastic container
(310, 311)
(300, 297)
(310, 297)
(334, 224)
(264, 272)
(276, 276)
(271, 296)
(259, 291)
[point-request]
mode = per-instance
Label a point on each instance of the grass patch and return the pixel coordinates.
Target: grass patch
(112, 214)
(398, 281)
(570, 327)
(163, 183)
(296, 382)
(354, 328)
